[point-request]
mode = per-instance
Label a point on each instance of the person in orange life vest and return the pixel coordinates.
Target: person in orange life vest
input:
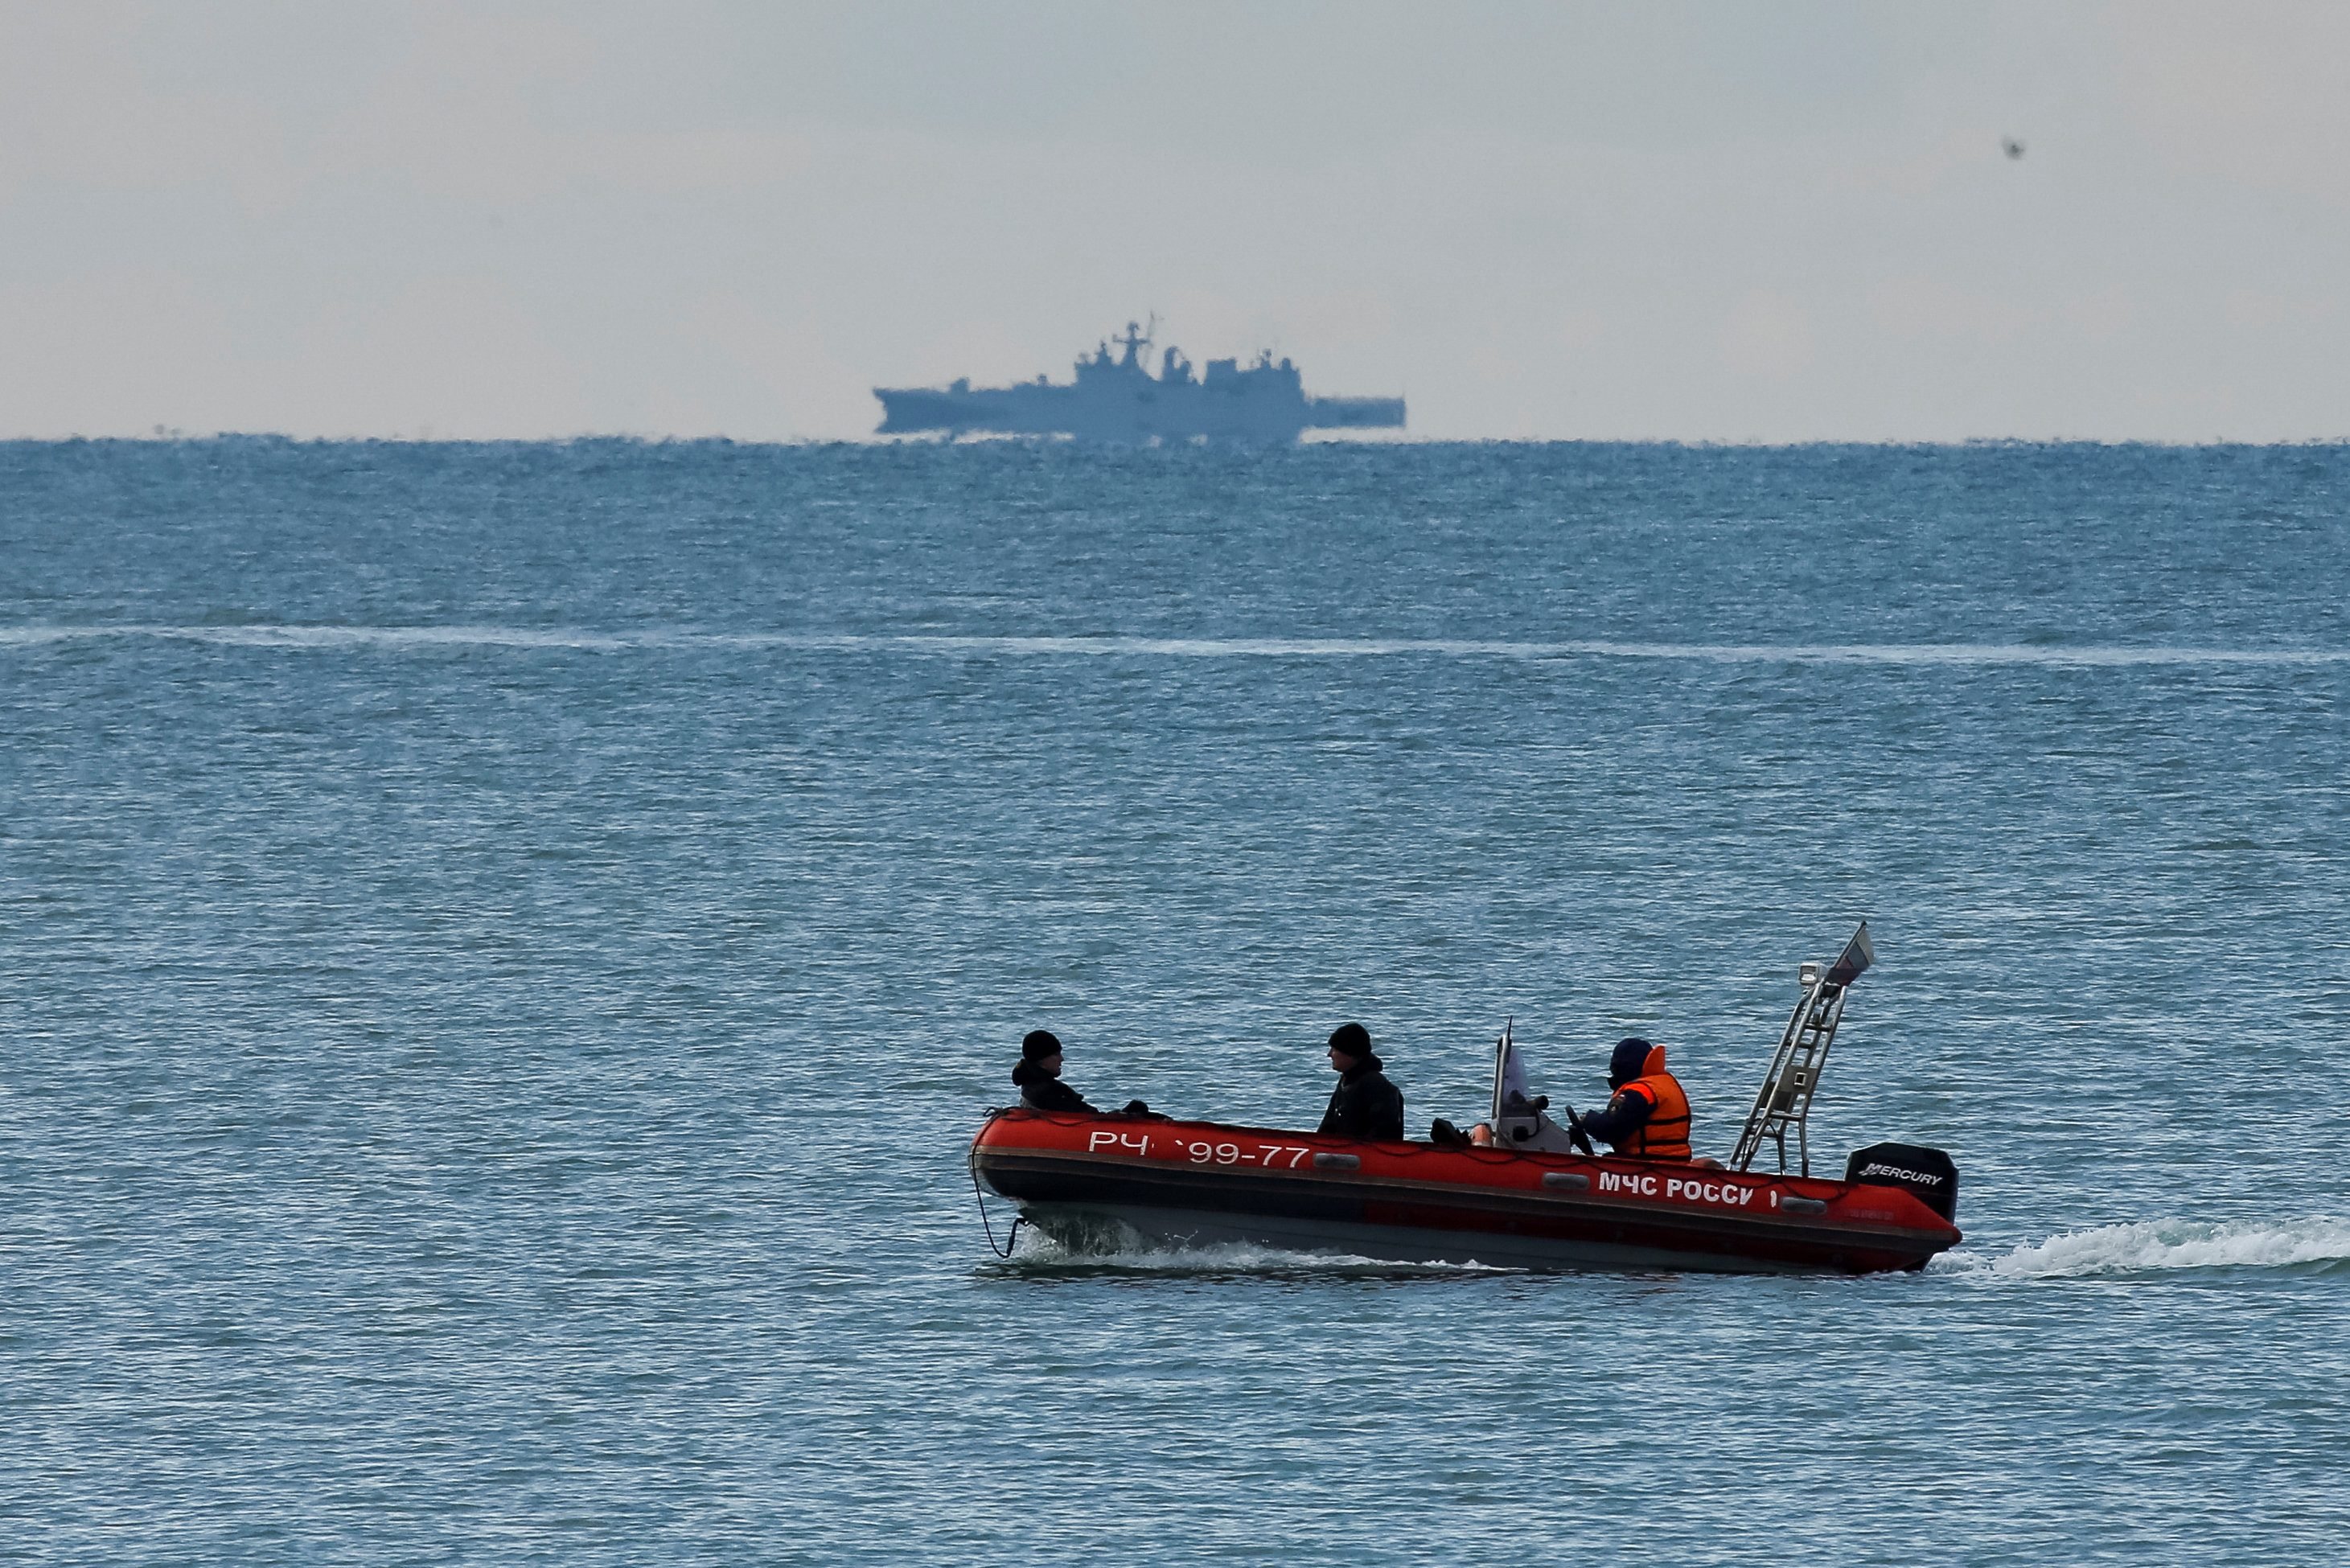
(1648, 1119)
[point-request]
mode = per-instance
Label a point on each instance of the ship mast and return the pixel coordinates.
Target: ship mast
(1137, 338)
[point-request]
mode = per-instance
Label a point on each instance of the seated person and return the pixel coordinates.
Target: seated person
(1038, 1074)
(1648, 1119)
(1364, 1104)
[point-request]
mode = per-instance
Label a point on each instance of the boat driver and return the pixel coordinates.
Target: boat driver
(1364, 1104)
(1038, 1074)
(1648, 1119)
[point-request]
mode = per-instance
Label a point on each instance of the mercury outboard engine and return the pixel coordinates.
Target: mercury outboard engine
(1926, 1174)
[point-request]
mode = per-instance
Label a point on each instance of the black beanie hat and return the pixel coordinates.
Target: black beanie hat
(1039, 1043)
(1631, 1055)
(1353, 1039)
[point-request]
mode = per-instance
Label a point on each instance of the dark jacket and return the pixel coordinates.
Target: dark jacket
(1625, 1115)
(1040, 1091)
(1364, 1104)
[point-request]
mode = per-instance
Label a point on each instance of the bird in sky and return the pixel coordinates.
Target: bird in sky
(2013, 148)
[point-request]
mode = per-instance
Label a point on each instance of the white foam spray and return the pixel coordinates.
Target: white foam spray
(1230, 1258)
(2156, 1245)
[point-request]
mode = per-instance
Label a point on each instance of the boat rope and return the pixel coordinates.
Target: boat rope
(1012, 1237)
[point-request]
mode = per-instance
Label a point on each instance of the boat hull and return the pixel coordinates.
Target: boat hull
(1097, 1182)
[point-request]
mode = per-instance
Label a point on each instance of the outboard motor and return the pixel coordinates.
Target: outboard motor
(1926, 1174)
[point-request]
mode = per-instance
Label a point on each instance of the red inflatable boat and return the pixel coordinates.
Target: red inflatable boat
(1105, 1181)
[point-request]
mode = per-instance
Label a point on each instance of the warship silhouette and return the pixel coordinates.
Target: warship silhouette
(1117, 399)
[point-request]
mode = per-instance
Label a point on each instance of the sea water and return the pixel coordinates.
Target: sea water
(503, 949)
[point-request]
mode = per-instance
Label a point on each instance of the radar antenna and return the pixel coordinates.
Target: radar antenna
(1135, 338)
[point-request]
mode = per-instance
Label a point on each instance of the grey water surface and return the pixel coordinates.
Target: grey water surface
(503, 949)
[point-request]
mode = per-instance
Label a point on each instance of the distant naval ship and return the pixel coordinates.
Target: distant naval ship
(1117, 399)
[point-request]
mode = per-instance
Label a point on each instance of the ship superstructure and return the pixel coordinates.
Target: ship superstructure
(1114, 397)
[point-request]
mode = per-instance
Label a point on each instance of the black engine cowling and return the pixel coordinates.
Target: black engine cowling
(1926, 1173)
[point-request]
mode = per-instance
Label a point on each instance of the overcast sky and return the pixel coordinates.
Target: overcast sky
(1733, 222)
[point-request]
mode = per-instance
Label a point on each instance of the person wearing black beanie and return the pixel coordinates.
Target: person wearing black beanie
(1039, 1074)
(1364, 1104)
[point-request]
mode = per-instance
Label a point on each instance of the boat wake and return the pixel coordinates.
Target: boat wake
(2318, 1246)
(1222, 1260)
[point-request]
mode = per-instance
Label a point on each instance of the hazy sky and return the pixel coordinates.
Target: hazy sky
(1731, 222)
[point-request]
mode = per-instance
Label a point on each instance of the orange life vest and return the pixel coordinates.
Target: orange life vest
(1666, 1134)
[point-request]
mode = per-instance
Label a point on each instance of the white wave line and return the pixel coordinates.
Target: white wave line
(1233, 1257)
(944, 643)
(326, 637)
(2156, 1245)
(1724, 653)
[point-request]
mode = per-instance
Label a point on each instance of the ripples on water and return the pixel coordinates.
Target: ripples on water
(501, 947)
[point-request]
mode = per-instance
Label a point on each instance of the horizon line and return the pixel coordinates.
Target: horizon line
(173, 436)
